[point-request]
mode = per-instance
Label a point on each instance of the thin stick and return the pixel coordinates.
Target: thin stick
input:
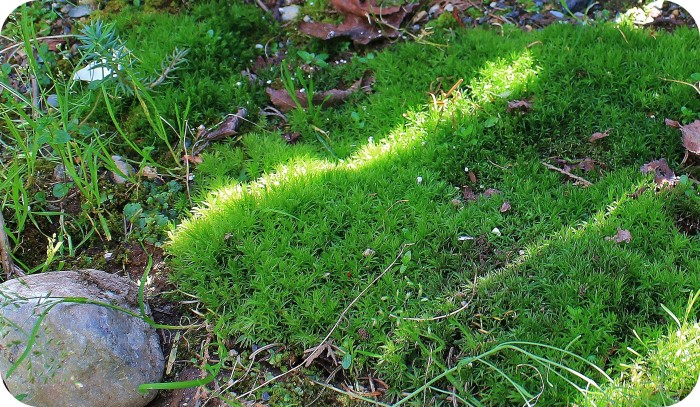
(584, 182)
(8, 266)
(335, 326)
(17, 44)
(262, 6)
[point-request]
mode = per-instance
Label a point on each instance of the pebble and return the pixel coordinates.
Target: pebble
(79, 11)
(557, 14)
(52, 100)
(289, 13)
(123, 167)
(496, 231)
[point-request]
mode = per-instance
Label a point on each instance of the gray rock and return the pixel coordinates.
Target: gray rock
(124, 169)
(578, 5)
(52, 100)
(557, 14)
(84, 354)
(289, 13)
(79, 11)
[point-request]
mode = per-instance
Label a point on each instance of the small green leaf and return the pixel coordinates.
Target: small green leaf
(132, 210)
(490, 122)
(695, 76)
(61, 137)
(60, 189)
(406, 257)
(43, 138)
(40, 197)
(347, 361)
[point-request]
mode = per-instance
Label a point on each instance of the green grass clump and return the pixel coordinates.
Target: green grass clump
(286, 236)
(223, 39)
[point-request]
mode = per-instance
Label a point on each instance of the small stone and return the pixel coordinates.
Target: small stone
(289, 13)
(521, 252)
(449, 8)
(123, 167)
(307, 19)
(149, 173)
(496, 231)
(419, 180)
(557, 14)
(79, 11)
(59, 173)
(84, 354)
(577, 5)
(52, 100)
(433, 10)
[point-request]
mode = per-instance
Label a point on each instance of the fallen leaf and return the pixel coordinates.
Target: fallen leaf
(520, 106)
(491, 192)
(598, 135)
(622, 235)
(672, 123)
(364, 21)
(192, 159)
(315, 352)
(292, 137)
(334, 97)
(691, 137)
(469, 194)
(472, 177)
(505, 207)
(587, 164)
(662, 172)
(636, 194)
(227, 128)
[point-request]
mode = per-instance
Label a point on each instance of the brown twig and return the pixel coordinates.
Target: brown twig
(262, 6)
(583, 182)
(8, 266)
(335, 326)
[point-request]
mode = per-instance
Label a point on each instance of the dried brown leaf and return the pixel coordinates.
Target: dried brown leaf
(192, 159)
(334, 97)
(587, 164)
(505, 207)
(469, 194)
(318, 350)
(520, 106)
(691, 137)
(636, 194)
(662, 172)
(472, 177)
(672, 123)
(292, 137)
(363, 23)
(491, 192)
(598, 135)
(228, 127)
(623, 235)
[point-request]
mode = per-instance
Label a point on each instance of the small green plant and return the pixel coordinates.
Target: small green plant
(309, 58)
(149, 219)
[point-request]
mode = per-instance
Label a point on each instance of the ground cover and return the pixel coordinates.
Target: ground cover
(278, 259)
(444, 169)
